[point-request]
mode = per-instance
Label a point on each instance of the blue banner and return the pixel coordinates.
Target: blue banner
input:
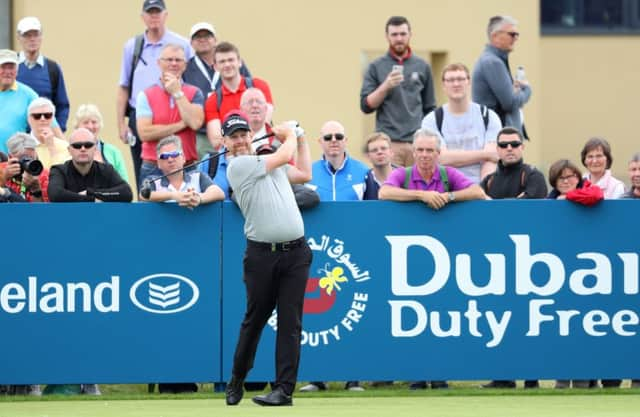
(130, 293)
(109, 293)
(480, 290)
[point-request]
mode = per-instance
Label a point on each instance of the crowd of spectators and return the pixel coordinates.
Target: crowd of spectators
(174, 94)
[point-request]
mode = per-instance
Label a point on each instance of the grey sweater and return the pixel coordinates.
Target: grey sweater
(403, 109)
(492, 86)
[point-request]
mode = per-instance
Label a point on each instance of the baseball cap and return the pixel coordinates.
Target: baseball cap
(7, 55)
(153, 4)
(29, 23)
(233, 121)
(202, 26)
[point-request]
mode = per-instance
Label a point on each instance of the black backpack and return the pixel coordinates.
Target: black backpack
(54, 75)
(439, 113)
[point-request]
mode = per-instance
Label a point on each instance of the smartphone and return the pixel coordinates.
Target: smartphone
(398, 68)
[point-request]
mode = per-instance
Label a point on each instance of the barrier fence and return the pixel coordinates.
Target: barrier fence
(131, 293)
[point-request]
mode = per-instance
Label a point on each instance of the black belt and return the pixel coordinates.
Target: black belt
(279, 246)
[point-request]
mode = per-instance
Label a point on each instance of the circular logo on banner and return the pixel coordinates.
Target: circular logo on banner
(336, 299)
(164, 293)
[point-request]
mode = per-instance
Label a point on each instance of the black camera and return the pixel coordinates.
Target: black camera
(30, 165)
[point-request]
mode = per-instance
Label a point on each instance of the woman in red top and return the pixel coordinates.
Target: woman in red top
(566, 180)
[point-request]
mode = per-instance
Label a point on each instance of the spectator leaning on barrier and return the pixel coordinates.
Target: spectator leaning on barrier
(201, 72)
(188, 189)
(51, 149)
(512, 177)
(170, 107)
(566, 180)
(398, 86)
(427, 181)
(379, 152)
(140, 70)
(15, 98)
(492, 83)
(24, 173)
(596, 157)
(337, 176)
(466, 129)
(89, 117)
(634, 177)
(42, 74)
(83, 180)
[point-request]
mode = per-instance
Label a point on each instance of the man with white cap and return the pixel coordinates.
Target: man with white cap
(42, 74)
(201, 72)
(140, 70)
(14, 98)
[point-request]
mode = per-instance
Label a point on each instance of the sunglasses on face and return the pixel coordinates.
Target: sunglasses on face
(166, 155)
(514, 144)
(80, 145)
(329, 136)
(39, 116)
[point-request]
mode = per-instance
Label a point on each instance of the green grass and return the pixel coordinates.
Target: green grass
(310, 406)
(462, 400)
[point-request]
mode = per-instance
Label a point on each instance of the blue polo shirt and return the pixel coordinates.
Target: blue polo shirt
(14, 103)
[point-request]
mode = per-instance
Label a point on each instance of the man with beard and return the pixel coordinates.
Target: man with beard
(83, 180)
(399, 88)
(277, 258)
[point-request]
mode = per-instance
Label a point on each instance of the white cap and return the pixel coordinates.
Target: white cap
(202, 26)
(8, 56)
(29, 23)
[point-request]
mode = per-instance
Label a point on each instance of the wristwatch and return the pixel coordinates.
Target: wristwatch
(178, 95)
(452, 196)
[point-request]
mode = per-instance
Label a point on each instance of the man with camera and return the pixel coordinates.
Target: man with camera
(82, 179)
(24, 173)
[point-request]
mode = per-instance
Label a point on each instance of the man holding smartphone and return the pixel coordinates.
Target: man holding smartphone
(398, 86)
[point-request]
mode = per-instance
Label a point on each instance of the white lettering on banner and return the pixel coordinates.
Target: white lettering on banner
(593, 322)
(496, 285)
(412, 318)
(54, 297)
(399, 310)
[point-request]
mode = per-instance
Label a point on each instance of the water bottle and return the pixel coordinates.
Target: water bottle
(131, 139)
(520, 75)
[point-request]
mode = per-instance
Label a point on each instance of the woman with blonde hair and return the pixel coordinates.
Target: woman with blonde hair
(89, 117)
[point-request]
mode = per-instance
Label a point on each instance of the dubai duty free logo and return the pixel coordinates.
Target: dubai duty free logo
(164, 293)
(336, 298)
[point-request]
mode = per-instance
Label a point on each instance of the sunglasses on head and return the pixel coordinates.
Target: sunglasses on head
(79, 145)
(514, 144)
(39, 116)
(166, 155)
(329, 136)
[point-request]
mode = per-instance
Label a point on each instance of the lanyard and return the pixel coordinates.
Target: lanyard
(212, 80)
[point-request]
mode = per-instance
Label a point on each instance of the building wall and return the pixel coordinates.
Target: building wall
(590, 89)
(312, 53)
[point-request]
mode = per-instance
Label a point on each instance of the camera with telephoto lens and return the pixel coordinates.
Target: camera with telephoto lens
(30, 165)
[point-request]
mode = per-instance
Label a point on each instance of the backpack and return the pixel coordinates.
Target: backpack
(54, 75)
(523, 178)
(137, 51)
(443, 176)
(248, 82)
(439, 113)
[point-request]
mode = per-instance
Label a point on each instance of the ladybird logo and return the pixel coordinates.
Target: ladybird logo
(336, 298)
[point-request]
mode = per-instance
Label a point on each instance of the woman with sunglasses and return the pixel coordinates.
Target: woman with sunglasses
(596, 157)
(89, 117)
(566, 180)
(51, 149)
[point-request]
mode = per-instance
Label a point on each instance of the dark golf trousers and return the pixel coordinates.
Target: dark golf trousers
(274, 278)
